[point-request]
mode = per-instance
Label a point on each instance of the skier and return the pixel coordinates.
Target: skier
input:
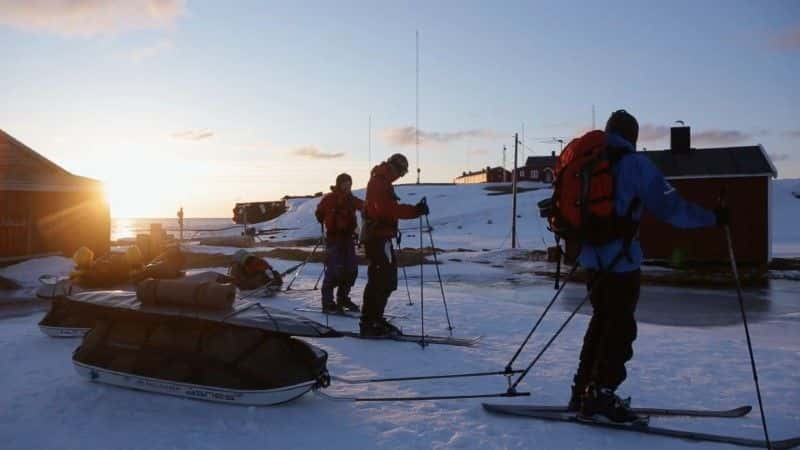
(337, 212)
(381, 213)
(614, 272)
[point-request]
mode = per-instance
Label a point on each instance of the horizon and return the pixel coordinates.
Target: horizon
(192, 103)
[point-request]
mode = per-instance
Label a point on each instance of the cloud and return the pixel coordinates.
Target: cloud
(779, 156)
(89, 17)
(793, 134)
(649, 133)
(312, 152)
(478, 151)
(652, 133)
(142, 53)
(789, 40)
(719, 137)
(193, 135)
(405, 136)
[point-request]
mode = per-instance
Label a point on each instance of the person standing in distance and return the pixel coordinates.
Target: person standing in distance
(337, 212)
(381, 214)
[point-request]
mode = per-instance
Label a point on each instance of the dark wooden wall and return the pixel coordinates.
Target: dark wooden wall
(748, 201)
(33, 222)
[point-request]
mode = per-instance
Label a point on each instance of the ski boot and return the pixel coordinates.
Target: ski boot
(389, 328)
(347, 305)
(603, 405)
(575, 399)
(376, 329)
(332, 308)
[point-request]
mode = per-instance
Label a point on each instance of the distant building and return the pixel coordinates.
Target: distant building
(538, 168)
(700, 175)
(487, 175)
(46, 209)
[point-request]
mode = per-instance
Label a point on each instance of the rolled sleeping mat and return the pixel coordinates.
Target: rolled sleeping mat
(186, 292)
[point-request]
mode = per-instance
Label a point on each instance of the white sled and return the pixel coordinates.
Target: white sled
(265, 397)
(63, 332)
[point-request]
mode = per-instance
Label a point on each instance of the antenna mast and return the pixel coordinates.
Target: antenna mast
(416, 126)
(369, 144)
(593, 126)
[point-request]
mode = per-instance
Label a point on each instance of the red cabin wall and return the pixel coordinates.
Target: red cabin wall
(748, 198)
(33, 222)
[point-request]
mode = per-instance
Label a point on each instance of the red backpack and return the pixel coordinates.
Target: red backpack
(582, 206)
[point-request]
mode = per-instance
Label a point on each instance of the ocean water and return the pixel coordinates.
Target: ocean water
(129, 228)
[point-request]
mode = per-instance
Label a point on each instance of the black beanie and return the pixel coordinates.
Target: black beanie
(342, 178)
(624, 124)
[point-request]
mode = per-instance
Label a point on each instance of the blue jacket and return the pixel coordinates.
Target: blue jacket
(636, 177)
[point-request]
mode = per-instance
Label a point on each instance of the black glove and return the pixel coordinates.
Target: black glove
(422, 208)
(723, 215)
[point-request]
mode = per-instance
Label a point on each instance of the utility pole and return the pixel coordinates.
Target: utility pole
(504, 157)
(514, 195)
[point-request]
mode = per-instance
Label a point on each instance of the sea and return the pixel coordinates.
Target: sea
(128, 228)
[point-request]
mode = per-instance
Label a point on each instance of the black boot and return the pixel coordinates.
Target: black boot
(602, 404)
(331, 308)
(347, 304)
(575, 399)
(389, 328)
(377, 329)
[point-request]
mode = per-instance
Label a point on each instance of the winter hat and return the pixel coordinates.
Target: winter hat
(343, 177)
(624, 124)
(399, 163)
(241, 256)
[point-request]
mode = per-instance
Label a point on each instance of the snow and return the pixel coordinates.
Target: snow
(679, 362)
(690, 352)
(462, 216)
(466, 216)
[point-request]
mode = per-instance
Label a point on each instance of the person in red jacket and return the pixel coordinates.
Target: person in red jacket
(382, 211)
(337, 212)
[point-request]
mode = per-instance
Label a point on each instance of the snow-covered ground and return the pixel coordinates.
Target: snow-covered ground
(46, 405)
(466, 216)
(690, 353)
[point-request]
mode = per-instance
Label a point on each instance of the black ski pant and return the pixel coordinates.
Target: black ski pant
(381, 278)
(341, 269)
(608, 343)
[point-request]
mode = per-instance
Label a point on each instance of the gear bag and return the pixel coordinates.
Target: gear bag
(582, 206)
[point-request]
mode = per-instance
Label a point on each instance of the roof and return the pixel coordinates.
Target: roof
(484, 170)
(714, 162)
(23, 169)
(541, 161)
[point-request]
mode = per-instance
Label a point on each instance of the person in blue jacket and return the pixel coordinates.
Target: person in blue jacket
(608, 343)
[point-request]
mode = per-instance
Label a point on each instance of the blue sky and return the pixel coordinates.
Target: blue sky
(202, 104)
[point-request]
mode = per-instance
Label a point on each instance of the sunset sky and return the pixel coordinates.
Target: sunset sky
(205, 103)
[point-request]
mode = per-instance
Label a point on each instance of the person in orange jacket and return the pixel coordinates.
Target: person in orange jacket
(382, 211)
(337, 212)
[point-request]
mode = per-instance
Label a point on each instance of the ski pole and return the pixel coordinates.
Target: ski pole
(438, 274)
(421, 286)
(300, 269)
(747, 332)
(405, 274)
(541, 317)
(588, 295)
(325, 265)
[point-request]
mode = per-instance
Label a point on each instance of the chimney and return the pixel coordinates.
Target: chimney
(680, 139)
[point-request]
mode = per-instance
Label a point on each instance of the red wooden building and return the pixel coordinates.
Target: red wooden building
(45, 209)
(700, 175)
(487, 175)
(538, 168)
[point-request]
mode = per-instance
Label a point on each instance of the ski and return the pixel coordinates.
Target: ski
(438, 340)
(350, 314)
(723, 413)
(646, 429)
